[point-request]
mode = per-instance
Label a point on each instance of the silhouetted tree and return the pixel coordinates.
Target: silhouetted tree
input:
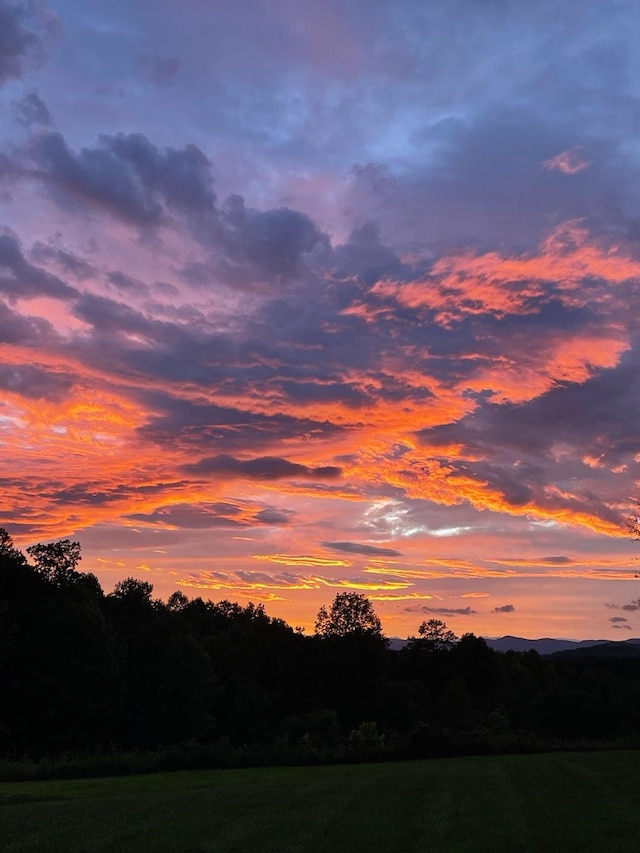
(7, 548)
(132, 590)
(434, 637)
(56, 561)
(350, 613)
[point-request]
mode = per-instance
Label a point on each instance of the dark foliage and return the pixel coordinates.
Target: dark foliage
(194, 682)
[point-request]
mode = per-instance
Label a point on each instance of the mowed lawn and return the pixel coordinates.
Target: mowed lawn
(565, 802)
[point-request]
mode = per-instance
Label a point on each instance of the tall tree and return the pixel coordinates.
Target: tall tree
(350, 613)
(434, 637)
(56, 561)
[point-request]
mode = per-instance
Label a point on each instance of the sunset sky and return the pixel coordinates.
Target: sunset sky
(306, 296)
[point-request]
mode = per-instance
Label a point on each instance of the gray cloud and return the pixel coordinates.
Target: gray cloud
(127, 176)
(67, 262)
(273, 242)
(365, 256)
(442, 611)
(160, 72)
(18, 329)
(364, 550)
(20, 278)
(275, 517)
(194, 517)
(32, 111)
(22, 27)
(617, 619)
(560, 560)
(505, 608)
(199, 427)
(97, 493)
(144, 185)
(34, 382)
(262, 468)
(630, 608)
(126, 283)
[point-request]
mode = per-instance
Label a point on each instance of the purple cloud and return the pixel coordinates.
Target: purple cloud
(442, 611)
(261, 468)
(364, 550)
(22, 27)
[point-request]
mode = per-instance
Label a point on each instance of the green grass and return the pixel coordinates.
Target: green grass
(566, 802)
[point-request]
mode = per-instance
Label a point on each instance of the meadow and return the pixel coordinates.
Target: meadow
(565, 802)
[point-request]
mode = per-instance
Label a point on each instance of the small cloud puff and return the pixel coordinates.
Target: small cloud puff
(569, 162)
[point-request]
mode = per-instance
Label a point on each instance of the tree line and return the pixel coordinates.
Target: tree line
(87, 673)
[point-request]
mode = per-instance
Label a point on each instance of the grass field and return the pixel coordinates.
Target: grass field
(565, 802)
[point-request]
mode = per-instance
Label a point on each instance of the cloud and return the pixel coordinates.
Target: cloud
(261, 468)
(617, 619)
(24, 30)
(561, 560)
(98, 493)
(505, 608)
(198, 425)
(32, 111)
(569, 162)
(272, 241)
(274, 517)
(126, 283)
(20, 278)
(300, 560)
(442, 611)
(68, 263)
(631, 607)
(126, 175)
(365, 550)
(160, 72)
(35, 383)
(144, 185)
(16, 329)
(195, 517)
(512, 447)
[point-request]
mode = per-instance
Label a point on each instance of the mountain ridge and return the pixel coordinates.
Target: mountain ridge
(542, 645)
(551, 645)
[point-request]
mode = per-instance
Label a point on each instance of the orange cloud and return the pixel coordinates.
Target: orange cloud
(300, 560)
(468, 284)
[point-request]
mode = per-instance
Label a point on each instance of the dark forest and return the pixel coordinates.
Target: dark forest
(95, 682)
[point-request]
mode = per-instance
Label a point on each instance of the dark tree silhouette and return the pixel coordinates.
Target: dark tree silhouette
(7, 548)
(434, 637)
(56, 561)
(82, 672)
(350, 613)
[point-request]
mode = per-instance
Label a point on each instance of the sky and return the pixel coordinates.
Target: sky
(300, 297)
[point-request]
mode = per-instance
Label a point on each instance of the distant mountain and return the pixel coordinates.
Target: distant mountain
(550, 646)
(612, 649)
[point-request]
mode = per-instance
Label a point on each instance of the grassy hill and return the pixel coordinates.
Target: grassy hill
(557, 802)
